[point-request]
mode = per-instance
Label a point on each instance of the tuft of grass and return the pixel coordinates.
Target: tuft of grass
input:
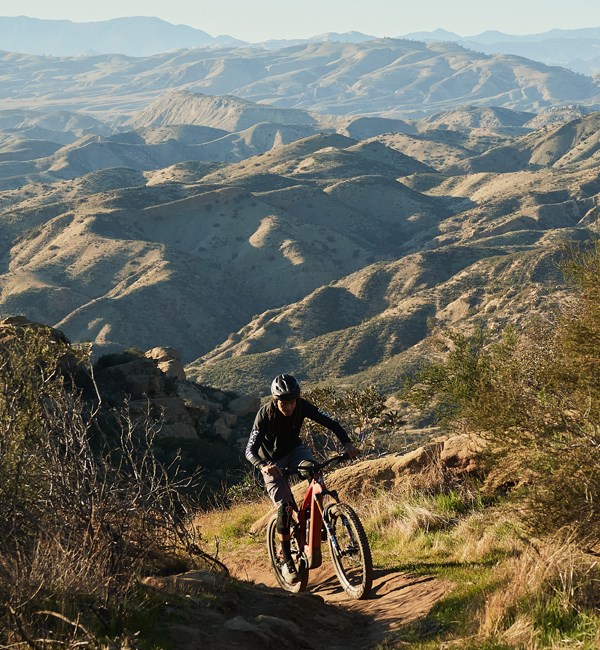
(452, 622)
(551, 599)
(230, 528)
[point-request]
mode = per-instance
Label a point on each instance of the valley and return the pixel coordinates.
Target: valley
(254, 238)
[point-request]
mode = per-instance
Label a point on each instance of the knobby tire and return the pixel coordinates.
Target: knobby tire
(353, 564)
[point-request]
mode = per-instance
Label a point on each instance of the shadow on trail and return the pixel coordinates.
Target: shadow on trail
(400, 595)
(385, 581)
(397, 598)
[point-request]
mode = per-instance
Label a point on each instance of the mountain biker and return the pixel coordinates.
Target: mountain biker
(275, 443)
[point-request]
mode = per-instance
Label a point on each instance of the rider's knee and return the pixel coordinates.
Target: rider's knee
(284, 518)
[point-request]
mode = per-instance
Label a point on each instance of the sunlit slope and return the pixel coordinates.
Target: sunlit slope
(494, 262)
(327, 255)
(387, 77)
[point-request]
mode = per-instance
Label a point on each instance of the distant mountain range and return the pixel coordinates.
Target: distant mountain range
(322, 209)
(387, 77)
(576, 49)
(137, 36)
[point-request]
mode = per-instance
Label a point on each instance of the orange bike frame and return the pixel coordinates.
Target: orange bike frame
(312, 511)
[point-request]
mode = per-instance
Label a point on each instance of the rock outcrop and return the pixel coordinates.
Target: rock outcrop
(153, 386)
(444, 458)
(169, 361)
(154, 383)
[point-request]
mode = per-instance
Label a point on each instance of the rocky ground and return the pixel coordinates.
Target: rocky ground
(256, 614)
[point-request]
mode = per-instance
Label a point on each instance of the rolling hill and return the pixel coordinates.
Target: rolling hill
(292, 245)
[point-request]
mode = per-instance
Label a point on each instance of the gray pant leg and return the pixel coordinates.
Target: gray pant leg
(278, 487)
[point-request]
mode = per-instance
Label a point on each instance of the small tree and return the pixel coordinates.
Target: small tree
(363, 412)
(536, 398)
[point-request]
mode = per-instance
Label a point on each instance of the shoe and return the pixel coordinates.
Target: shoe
(289, 573)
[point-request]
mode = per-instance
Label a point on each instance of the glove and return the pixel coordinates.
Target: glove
(351, 450)
(271, 470)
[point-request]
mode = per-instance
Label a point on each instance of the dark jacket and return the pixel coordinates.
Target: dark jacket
(274, 435)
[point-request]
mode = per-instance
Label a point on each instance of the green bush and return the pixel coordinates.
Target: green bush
(363, 412)
(536, 398)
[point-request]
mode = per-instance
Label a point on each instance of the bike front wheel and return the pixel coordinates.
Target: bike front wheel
(350, 551)
(274, 549)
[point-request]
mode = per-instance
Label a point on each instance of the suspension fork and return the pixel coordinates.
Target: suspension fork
(326, 521)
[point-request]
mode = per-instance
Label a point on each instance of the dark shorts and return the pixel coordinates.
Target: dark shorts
(278, 487)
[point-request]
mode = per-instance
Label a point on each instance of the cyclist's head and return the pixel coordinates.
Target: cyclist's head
(285, 390)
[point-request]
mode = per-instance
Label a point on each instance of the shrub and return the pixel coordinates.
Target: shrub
(536, 398)
(82, 516)
(363, 412)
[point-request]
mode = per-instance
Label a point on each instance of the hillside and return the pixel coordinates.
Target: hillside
(556, 146)
(387, 77)
(289, 245)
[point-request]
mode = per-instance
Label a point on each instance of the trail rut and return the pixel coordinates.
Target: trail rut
(396, 599)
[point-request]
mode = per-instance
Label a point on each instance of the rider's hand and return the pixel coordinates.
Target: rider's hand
(351, 450)
(271, 470)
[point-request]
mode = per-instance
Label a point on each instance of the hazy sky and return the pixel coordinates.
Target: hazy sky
(257, 20)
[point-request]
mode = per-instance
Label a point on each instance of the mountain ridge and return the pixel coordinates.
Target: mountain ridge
(577, 49)
(329, 256)
(388, 78)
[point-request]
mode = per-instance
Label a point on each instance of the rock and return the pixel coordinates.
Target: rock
(290, 634)
(446, 458)
(196, 400)
(189, 581)
(240, 624)
(171, 410)
(274, 631)
(137, 378)
(169, 361)
(177, 430)
(460, 452)
(283, 627)
(219, 396)
(244, 405)
(224, 425)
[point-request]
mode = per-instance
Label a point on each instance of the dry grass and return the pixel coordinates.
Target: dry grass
(550, 586)
(225, 529)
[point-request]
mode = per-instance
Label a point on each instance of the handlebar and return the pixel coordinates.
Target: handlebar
(314, 467)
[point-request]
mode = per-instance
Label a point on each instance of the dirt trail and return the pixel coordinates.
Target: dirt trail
(396, 598)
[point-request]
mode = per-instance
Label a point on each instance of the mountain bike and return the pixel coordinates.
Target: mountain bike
(323, 517)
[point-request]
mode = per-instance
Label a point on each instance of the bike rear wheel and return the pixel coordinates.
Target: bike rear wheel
(350, 551)
(274, 549)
